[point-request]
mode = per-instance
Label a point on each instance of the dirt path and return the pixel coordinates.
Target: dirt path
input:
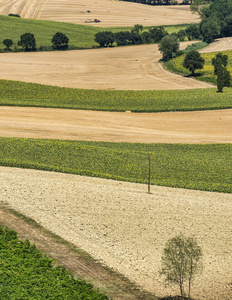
(72, 258)
(124, 68)
(172, 127)
(125, 228)
(111, 13)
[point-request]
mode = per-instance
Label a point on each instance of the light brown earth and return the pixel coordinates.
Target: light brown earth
(124, 227)
(124, 68)
(172, 127)
(111, 13)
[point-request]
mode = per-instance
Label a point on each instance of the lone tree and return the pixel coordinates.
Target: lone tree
(193, 61)
(181, 261)
(8, 43)
(220, 62)
(168, 46)
(60, 41)
(27, 41)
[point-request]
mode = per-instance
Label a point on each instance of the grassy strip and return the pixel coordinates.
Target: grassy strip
(14, 93)
(207, 73)
(27, 274)
(199, 167)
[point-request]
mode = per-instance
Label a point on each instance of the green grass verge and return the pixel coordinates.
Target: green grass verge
(26, 273)
(201, 167)
(14, 93)
(207, 73)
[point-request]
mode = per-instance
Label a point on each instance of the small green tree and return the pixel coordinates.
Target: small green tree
(193, 61)
(60, 41)
(8, 43)
(220, 62)
(181, 261)
(27, 41)
(168, 46)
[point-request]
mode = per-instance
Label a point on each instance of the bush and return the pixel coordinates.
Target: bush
(8, 43)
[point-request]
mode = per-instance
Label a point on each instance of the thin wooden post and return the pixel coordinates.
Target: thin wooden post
(149, 173)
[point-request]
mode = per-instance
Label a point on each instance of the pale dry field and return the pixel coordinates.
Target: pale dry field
(126, 228)
(112, 13)
(124, 68)
(172, 127)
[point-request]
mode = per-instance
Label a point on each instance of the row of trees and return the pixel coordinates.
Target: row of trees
(28, 43)
(138, 36)
(161, 2)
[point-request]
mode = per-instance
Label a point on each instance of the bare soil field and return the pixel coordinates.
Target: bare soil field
(124, 227)
(111, 13)
(124, 68)
(172, 127)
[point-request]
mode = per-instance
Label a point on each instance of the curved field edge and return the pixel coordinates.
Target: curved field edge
(33, 274)
(199, 167)
(16, 93)
(207, 73)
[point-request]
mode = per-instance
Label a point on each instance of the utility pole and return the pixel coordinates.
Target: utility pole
(149, 173)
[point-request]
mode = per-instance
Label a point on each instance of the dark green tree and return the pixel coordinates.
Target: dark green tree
(60, 41)
(193, 32)
(220, 75)
(27, 42)
(224, 61)
(210, 29)
(157, 33)
(8, 43)
(105, 38)
(168, 46)
(220, 62)
(122, 38)
(193, 61)
(181, 261)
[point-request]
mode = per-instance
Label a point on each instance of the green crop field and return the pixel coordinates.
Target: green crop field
(200, 167)
(27, 274)
(28, 94)
(207, 73)
(80, 36)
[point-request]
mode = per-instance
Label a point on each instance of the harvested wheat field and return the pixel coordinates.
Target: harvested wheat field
(198, 127)
(124, 68)
(121, 225)
(111, 13)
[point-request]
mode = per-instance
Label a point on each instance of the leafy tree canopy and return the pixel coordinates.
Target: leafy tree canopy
(193, 61)
(27, 41)
(60, 41)
(168, 46)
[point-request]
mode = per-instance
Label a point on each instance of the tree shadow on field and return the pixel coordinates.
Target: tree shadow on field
(198, 74)
(175, 298)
